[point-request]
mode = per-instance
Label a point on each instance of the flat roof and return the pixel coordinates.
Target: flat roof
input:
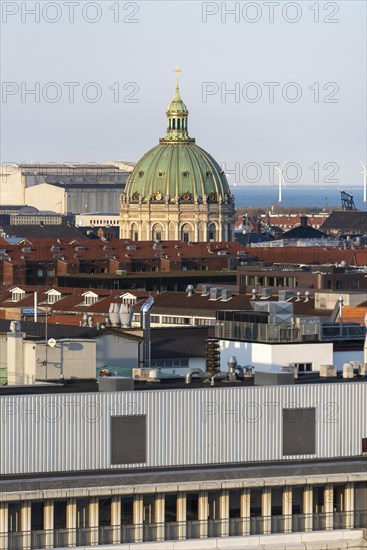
(91, 386)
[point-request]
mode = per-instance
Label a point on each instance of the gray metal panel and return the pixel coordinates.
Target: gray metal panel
(263, 378)
(71, 432)
(128, 439)
(115, 383)
(299, 431)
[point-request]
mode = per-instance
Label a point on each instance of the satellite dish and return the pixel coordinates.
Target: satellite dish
(51, 342)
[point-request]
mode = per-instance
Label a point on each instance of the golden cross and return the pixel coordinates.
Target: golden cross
(177, 71)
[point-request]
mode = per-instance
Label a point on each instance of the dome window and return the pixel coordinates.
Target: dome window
(208, 174)
(185, 174)
(141, 174)
(212, 197)
(160, 174)
(186, 197)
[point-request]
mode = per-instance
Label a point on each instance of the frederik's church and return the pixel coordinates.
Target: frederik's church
(177, 191)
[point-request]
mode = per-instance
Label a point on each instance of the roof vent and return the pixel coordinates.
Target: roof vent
(190, 290)
(205, 290)
(226, 294)
(285, 295)
(215, 293)
(266, 293)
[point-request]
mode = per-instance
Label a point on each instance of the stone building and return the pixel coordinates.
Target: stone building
(177, 191)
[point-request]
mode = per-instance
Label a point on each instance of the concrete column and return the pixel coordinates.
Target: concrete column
(159, 514)
(48, 522)
(349, 505)
(93, 520)
(287, 509)
(71, 521)
(266, 510)
(138, 517)
(25, 524)
(116, 519)
(3, 525)
(203, 513)
(245, 508)
(329, 505)
(224, 512)
(181, 515)
(308, 506)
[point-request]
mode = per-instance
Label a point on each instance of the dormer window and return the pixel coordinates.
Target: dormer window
(185, 174)
(128, 299)
(160, 174)
(53, 296)
(141, 174)
(90, 298)
(17, 294)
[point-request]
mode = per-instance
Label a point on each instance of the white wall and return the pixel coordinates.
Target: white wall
(276, 355)
(46, 197)
(114, 350)
(11, 186)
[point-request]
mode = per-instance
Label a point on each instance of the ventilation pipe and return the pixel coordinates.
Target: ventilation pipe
(191, 372)
(145, 325)
(190, 290)
(365, 343)
(35, 306)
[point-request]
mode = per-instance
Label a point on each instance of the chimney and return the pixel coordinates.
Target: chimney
(304, 221)
(145, 324)
(257, 227)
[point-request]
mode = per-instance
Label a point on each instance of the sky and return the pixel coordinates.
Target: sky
(103, 76)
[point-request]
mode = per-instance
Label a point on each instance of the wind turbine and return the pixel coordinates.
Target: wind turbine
(281, 180)
(364, 182)
(223, 166)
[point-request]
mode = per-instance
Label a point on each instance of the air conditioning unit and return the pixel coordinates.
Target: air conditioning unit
(226, 294)
(148, 375)
(215, 293)
(327, 371)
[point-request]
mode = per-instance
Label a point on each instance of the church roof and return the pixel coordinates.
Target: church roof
(177, 169)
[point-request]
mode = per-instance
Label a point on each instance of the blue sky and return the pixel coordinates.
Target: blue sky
(328, 57)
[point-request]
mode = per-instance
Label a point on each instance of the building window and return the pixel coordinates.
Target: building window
(304, 367)
(40, 273)
(90, 300)
(299, 431)
(18, 295)
(364, 444)
(128, 439)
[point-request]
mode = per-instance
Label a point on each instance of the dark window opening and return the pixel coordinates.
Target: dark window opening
(364, 444)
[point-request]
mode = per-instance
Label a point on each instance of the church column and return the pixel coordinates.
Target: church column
(224, 512)
(181, 515)
(160, 515)
(308, 506)
(245, 506)
(94, 520)
(25, 524)
(329, 505)
(48, 521)
(3, 525)
(71, 521)
(349, 505)
(138, 517)
(116, 519)
(287, 509)
(266, 509)
(203, 513)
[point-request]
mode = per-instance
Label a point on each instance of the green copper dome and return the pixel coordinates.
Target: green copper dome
(177, 169)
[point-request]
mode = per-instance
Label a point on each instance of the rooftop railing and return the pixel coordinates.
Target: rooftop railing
(153, 532)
